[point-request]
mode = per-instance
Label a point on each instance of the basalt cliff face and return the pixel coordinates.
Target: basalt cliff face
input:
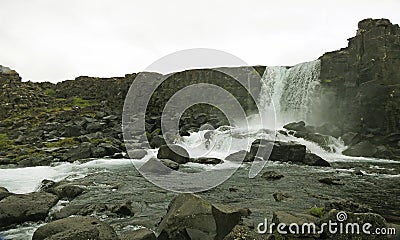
(361, 83)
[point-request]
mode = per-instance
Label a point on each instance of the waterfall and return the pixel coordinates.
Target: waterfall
(291, 90)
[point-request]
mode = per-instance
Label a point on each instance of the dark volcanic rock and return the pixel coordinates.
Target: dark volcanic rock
(314, 160)
(20, 208)
(205, 160)
(362, 149)
(330, 181)
(296, 126)
(173, 152)
(75, 228)
(191, 217)
(137, 153)
(140, 234)
(360, 83)
(281, 151)
(271, 175)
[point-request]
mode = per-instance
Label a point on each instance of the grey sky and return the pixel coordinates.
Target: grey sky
(56, 40)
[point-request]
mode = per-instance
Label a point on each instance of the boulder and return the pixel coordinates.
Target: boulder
(361, 149)
(75, 228)
(20, 208)
(349, 138)
(140, 234)
(330, 181)
(281, 196)
(83, 151)
(206, 160)
(173, 152)
(4, 193)
(296, 126)
(191, 217)
(98, 152)
(312, 159)
(322, 140)
(272, 175)
(155, 166)
(240, 156)
(278, 151)
(157, 141)
(171, 164)
(68, 191)
(94, 127)
(137, 153)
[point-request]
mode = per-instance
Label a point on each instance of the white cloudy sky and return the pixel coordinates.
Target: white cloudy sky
(55, 40)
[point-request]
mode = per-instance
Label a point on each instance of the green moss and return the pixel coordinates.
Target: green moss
(50, 92)
(5, 143)
(79, 102)
(100, 140)
(317, 211)
(62, 143)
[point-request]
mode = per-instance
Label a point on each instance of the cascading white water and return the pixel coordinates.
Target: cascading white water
(291, 90)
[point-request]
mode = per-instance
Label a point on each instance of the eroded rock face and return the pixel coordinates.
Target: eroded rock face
(361, 83)
(191, 217)
(20, 208)
(75, 228)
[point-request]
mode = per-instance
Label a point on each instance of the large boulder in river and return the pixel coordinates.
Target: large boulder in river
(279, 151)
(312, 159)
(174, 152)
(75, 228)
(361, 149)
(4, 193)
(20, 208)
(191, 217)
(296, 126)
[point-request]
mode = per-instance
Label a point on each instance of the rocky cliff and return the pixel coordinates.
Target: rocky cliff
(361, 83)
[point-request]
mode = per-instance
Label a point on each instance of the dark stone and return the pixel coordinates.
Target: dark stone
(155, 166)
(362, 149)
(67, 191)
(4, 193)
(75, 228)
(20, 208)
(205, 160)
(242, 155)
(280, 196)
(312, 159)
(98, 152)
(140, 234)
(137, 153)
(72, 131)
(94, 127)
(272, 175)
(296, 126)
(83, 151)
(281, 151)
(191, 217)
(157, 141)
(173, 152)
(330, 181)
(171, 164)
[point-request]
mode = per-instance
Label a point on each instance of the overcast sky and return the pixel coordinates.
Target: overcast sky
(54, 40)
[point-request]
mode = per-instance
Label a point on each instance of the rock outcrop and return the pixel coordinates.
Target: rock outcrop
(361, 83)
